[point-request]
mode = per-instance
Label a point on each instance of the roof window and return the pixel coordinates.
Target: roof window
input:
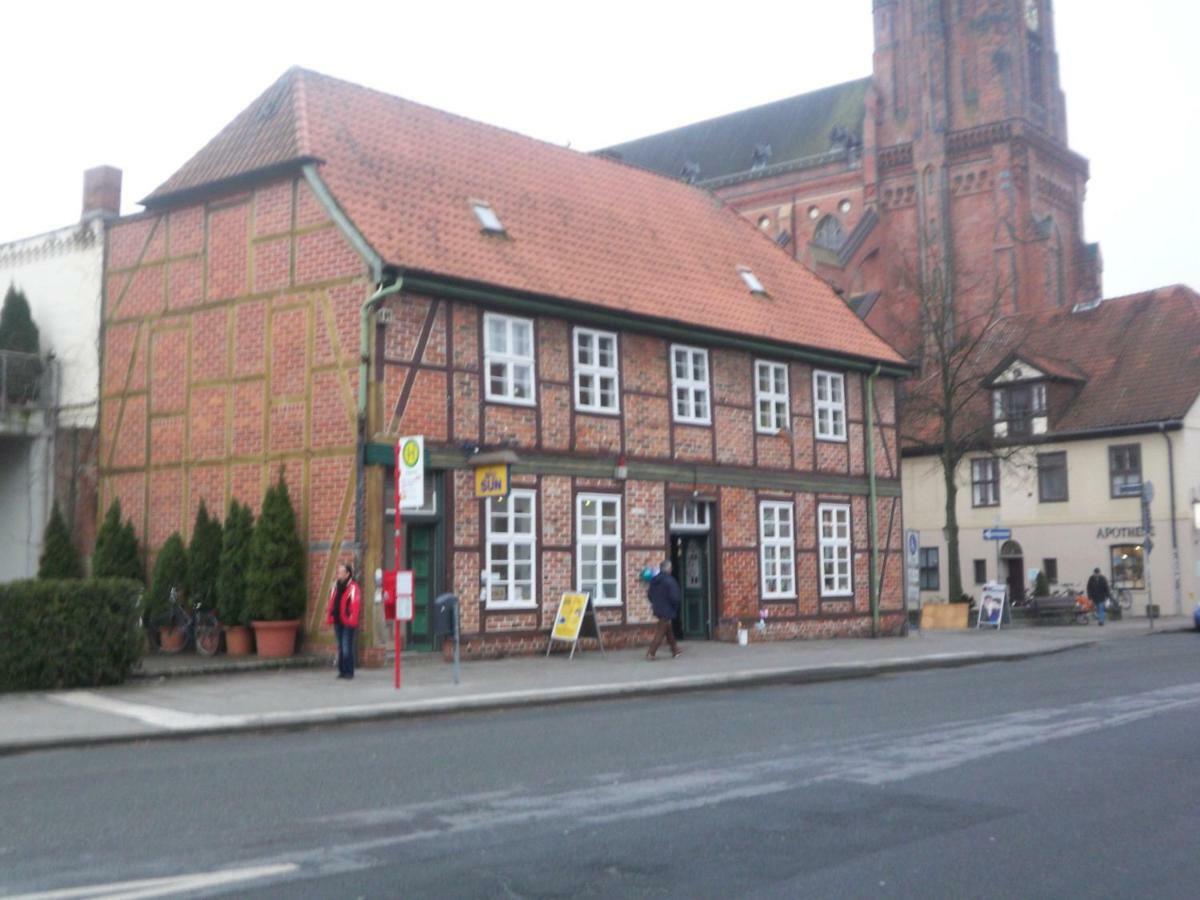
(488, 220)
(752, 281)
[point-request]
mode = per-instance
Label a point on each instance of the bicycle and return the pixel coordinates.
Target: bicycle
(181, 626)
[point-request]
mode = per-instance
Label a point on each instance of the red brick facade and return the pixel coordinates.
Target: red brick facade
(230, 354)
(445, 339)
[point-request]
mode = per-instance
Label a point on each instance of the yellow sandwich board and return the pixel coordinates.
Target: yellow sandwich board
(576, 618)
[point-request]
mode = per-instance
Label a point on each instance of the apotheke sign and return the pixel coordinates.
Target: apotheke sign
(1119, 531)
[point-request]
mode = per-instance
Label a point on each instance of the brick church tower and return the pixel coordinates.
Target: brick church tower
(947, 172)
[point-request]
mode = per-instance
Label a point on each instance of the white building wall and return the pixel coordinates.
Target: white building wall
(61, 275)
(1077, 533)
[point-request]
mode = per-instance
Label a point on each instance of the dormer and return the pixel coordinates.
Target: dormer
(1020, 387)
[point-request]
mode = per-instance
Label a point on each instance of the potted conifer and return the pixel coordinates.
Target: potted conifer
(231, 578)
(117, 554)
(170, 571)
(275, 592)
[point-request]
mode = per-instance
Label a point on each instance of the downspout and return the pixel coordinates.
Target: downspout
(872, 513)
(1162, 429)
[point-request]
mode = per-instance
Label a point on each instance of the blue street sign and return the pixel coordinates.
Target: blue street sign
(997, 534)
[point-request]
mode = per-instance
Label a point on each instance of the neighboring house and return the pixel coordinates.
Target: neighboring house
(670, 383)
(949, 165)
(48, 448)
(1098, 401)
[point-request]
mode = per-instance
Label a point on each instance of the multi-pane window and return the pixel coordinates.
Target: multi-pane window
(596, 381)
(834, 539)
(985, 482)
(930, 580)
(1050, 569)
(689, 515)
(777, 549)
(508, 358)
(598, 547)
(829, 403)
(981, 571)
(689, 384)
(1125, 470)
(771, 396)
(1128, 567)
(511, 549)
(1052, 477)
(1018, 405)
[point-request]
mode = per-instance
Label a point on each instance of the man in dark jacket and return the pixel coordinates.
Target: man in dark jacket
(1097, 591)
(664, 600)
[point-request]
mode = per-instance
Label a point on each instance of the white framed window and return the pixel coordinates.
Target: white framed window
(508, 358)
(770, 397)
(598, 547)
(777, 549)
(829, 404)
(689, 515)
(511, 539)
(689, 384)
(833, 534)
(597, 384)
(985, 482)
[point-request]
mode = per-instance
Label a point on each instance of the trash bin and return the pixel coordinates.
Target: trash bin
(444, 608)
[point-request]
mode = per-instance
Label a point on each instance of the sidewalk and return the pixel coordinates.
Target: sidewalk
(281, 698)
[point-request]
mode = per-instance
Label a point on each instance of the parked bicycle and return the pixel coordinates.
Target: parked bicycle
(182, 625)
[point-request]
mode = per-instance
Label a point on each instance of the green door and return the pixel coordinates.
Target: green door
(421, 556)
(690, 561)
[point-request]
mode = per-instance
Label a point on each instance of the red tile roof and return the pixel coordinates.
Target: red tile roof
(1133, 360)
(580, 228)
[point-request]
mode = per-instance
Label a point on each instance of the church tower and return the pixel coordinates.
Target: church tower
(980, 196)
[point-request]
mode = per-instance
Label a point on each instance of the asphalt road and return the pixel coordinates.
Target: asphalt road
(1074, 775)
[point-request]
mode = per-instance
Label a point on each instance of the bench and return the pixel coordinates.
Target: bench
(1053, 605)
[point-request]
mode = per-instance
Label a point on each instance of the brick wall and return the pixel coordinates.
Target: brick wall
(230, 355)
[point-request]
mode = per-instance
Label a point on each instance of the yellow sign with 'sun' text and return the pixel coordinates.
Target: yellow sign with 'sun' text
(491, 480)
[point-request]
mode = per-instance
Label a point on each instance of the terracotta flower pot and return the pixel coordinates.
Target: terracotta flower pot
(237, 640)
(171, 640)
(275, 639)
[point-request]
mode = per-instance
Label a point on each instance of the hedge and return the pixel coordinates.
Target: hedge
(68, 633)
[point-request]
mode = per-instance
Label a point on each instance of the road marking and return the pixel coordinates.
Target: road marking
(872, 760)
(162, 887)
(156, 716)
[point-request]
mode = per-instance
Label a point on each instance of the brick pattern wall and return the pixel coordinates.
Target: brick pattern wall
(230, 355)
(433, 342)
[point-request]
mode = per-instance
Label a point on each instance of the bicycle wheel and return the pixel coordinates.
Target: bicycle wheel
(208, 634)
(1125, 598)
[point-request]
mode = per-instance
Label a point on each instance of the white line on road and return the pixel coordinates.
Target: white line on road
(162, 887)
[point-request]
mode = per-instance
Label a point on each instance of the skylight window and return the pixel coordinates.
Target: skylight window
(752, 281)
(488, 220)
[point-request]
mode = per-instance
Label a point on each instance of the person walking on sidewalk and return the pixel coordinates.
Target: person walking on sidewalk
(345, 607)
(664, 600)
(1098, 593)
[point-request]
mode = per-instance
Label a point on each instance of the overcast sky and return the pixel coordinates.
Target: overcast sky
(142, 86)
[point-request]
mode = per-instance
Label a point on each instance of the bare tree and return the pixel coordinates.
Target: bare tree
(947, 407)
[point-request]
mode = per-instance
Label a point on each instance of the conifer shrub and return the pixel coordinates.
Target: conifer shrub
(59, 557)
(117, 554)
(275, 588)
(68, 633)
(19, 333)
(1041, 586)
(204, 559)
(170, 571)
(235, 559)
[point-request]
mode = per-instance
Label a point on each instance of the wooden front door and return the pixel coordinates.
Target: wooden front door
(421, 554)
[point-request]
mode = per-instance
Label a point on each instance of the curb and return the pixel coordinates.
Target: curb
(265, 723)
(227, 668)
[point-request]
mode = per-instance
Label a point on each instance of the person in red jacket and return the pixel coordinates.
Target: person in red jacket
(345, 607)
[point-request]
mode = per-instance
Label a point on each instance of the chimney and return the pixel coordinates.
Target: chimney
(101, 193)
